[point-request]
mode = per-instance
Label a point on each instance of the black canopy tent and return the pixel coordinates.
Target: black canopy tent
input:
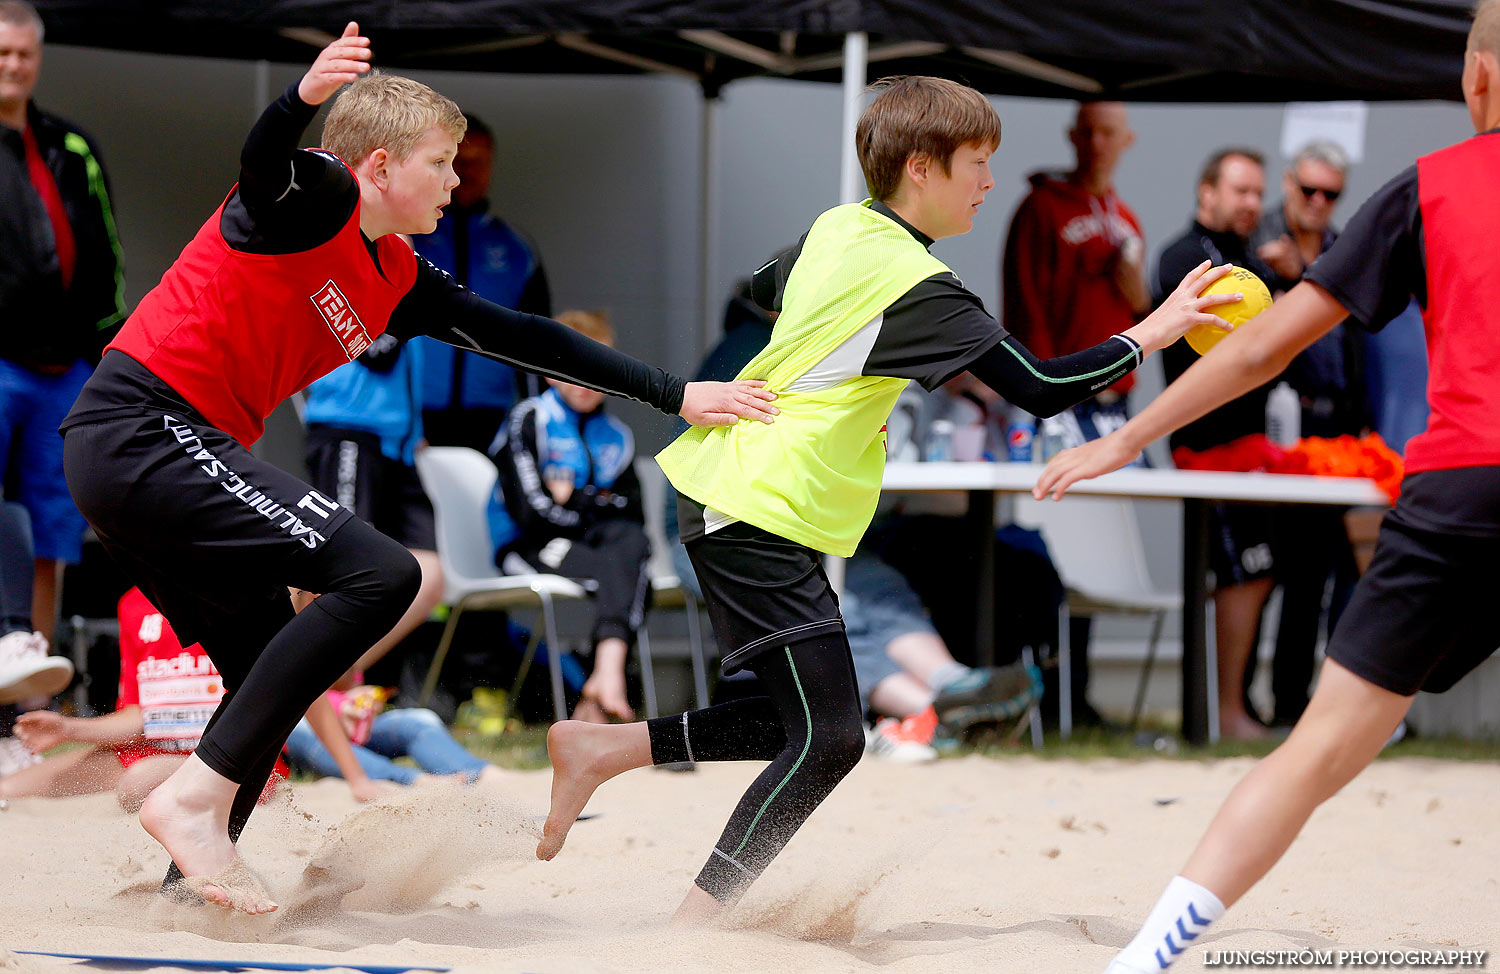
(1161, 50)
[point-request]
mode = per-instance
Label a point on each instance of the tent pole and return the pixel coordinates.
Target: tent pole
(708, 228)
(856, 59)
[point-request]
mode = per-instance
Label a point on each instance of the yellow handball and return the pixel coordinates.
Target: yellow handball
(1257, 298)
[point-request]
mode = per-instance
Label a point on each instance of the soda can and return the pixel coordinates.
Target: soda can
(1020, 432)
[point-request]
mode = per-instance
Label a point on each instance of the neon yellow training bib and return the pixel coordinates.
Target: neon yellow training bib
(813, 476)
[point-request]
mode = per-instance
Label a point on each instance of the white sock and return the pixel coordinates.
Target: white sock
(1184, 911)
(945, 674)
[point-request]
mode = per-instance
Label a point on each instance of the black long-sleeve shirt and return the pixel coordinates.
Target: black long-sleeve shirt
(940, 328)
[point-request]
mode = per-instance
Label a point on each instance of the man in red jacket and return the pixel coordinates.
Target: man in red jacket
(1072, 274)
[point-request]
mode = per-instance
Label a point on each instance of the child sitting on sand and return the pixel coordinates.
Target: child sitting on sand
(167, 693)
(379, 736)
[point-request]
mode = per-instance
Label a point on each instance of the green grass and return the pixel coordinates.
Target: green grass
(1156, 742)
(525, 747)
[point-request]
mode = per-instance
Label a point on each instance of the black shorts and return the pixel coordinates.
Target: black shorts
(348, 466)
(763, 591)
(1421, 617)
(204, 527)
(1239, 543)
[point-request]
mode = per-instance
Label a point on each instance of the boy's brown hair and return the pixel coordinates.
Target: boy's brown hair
(590, 324)
(926, 116)
(387, 111)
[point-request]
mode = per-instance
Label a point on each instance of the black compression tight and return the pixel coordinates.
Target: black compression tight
(808, 726)
(275, 664)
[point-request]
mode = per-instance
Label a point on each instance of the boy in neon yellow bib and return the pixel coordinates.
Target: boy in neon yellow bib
(864, 310)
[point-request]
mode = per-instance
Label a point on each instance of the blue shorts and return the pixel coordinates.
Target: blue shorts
(32, 406)
(879, 606)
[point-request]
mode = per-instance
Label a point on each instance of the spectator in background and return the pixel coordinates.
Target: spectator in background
(26, 671)
(1395, 360)
(364, 424)
(465, 396)
(568, 502)
(1073, 270)
(1072, 276)
(1290, 236)
(168, 692)
(62, 293)
(378, 736)
(1230, 193)
(1312, 546)
(907, 677)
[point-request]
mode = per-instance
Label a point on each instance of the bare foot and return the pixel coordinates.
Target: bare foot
(608, 694)
(588, 710)
(584, 756)
(189, 815)
(235, 886)
(1242, 727)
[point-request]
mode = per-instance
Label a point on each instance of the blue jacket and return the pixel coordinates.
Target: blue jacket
(377, 393)
(502, 267)
(544, 439)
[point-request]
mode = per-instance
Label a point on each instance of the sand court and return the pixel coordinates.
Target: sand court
(972, 864)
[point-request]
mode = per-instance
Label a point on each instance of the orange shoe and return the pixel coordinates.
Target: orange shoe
(906, 741)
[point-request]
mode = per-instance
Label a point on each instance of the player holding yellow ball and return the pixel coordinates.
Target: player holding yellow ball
(1421, 617)
(1257, 298)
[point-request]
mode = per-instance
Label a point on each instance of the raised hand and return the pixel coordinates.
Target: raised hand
(1187, 307)
(339, 63)
(726, 403)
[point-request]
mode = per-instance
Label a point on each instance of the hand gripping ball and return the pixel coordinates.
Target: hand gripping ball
(1257, 298)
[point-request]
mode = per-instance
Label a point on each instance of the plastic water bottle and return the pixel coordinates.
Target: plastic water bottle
(1051, 440)
(1020, 431)
(939, 445)
(1283, 415)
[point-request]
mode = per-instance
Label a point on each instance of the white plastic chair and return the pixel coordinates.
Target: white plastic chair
(667, 589)
(459, 482)
(1096, 547)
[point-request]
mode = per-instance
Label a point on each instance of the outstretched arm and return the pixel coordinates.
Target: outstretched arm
(1047, 386)
(439, 307)
(1251, 356)
(42, 729)
(325, 723)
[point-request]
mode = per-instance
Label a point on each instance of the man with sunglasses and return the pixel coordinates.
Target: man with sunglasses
(1311, 543)
(1293, 234)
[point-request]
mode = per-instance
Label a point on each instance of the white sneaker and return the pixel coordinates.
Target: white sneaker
(27, 671)
(14, 756)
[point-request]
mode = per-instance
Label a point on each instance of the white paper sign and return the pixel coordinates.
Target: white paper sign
(1341, 122)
